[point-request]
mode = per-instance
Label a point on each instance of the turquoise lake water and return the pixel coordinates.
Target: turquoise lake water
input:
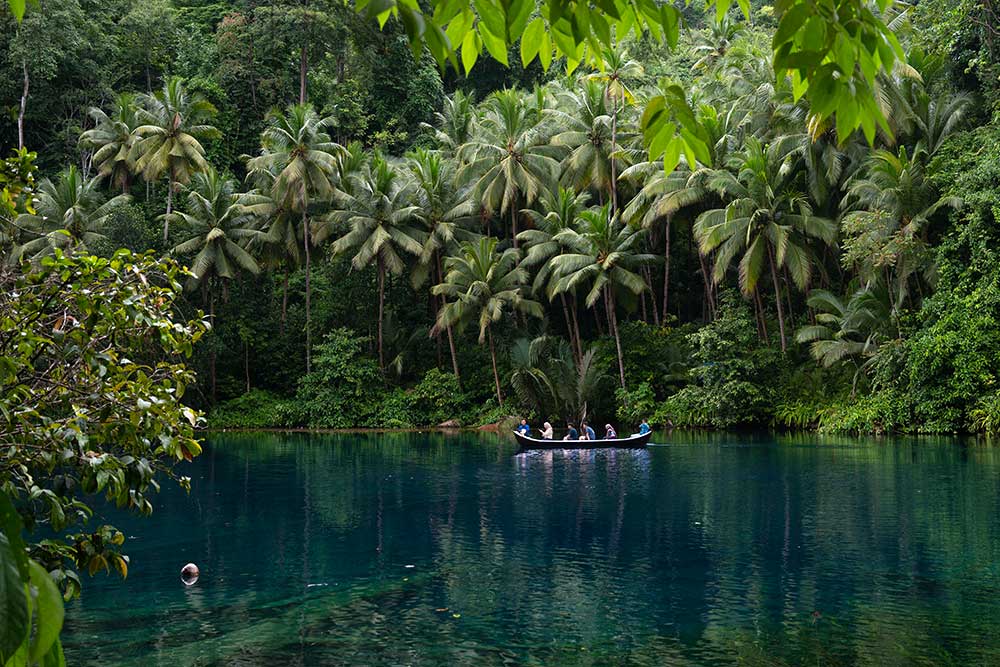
(431, 549)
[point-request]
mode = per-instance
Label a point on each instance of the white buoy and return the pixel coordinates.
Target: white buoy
(189, 574)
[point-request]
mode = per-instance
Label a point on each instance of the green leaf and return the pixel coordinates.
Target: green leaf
(494, 44)
(17, 9)
(11, 526)
(14, 618)
(471, 46)
(531, 40)
(49, 612)
(672, 155)
(545, 51)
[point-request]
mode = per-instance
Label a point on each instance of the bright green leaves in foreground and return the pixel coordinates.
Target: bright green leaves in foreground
(833, 50)
(31, 608)
(91, 376)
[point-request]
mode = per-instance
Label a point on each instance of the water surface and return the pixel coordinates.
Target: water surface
(417, 549)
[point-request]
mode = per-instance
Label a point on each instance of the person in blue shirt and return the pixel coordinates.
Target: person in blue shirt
(644, 428)
(588, 433)
(571, 432)
(523, 428)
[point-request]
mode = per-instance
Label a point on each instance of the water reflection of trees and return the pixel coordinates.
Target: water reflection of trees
(714, 548)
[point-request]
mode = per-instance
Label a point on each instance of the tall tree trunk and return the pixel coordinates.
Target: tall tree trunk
(451, 338)
(574, 343)
(24, 106)
(707, 281)
(610, 301)
(381, 308)
(304, 61)
(170, 204)
(763, 316)
(648, 275)
(576, 324)
(493, 357)
(246, 361)
(777, 299)
(513, 224)
(211, 357)
(306, 244)
(614, 147)
(284, 301)
(666, 267)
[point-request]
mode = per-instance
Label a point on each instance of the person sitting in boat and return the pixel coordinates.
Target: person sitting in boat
(523, 428)
(609, 432)
(547, 431)
(644, 428)
(571, 433)
(588, 433)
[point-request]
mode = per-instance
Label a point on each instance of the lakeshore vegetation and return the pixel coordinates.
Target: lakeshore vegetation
(393, 215)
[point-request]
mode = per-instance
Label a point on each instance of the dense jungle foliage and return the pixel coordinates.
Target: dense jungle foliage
(380, 244)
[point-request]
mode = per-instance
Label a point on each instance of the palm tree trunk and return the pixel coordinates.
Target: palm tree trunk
(614, 169)
(305, 243)
(573, 342)
(576, 325)
(211, 357)
(381, 309)
(610, 301)
(777, 299)
(284, 301)
(513, 224)
(451, 338)
(493, 357)
(666, 268)
(648, 275)
(246, 361)
(707, 280)
(170, 205)
(24, 105)
(303, 62)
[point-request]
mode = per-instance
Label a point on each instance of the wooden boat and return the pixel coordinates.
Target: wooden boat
(630, 442)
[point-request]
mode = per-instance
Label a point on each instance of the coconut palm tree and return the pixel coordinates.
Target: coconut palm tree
(559, 210)
(766, 221)
(378, 224)
(583, 121)
(850, 331)
(618, 69)
(279, 246)
(453, 125)
(887, 212)
(604, 260)
(297, 149)
(510, 158)
(113, 140)
(444, 209)
(173, 125)
(483, 285)
(70, 214)
(216, 230)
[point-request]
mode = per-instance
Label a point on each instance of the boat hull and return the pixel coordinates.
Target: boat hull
(632, 442)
